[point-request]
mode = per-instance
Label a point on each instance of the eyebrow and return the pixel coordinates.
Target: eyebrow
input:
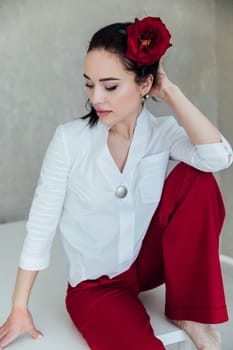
(103, 79)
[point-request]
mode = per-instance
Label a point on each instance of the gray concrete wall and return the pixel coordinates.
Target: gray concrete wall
(42, 45)
(224, 54)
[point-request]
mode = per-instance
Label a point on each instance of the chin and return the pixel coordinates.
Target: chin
(105, 121)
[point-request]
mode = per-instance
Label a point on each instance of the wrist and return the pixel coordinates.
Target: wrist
(170, 92)
(19, 305)
(23, 309)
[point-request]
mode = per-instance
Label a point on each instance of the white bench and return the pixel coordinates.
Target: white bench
(47, 301)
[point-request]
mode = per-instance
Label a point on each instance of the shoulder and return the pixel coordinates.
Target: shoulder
(74, 130)
(74, 127)
(76, 135)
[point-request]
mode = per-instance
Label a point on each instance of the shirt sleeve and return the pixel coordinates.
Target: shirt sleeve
(211, 157)
(47, 205)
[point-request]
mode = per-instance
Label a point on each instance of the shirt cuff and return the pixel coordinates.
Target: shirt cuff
(219, 154)
(34, 264)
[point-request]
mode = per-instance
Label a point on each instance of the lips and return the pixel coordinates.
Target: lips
(102, 112)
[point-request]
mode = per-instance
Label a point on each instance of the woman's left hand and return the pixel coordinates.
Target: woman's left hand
(162, 84)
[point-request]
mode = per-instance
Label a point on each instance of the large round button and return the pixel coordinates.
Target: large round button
(121, 192)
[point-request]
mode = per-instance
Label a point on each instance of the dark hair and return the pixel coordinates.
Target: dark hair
(113, 38)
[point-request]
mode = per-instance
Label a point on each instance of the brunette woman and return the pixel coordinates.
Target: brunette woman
(127, 225)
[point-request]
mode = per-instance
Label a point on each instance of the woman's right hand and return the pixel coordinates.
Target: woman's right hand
(19, 322)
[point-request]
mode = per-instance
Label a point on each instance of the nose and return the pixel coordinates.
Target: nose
(97, 95)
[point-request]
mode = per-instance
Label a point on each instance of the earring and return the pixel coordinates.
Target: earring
(145, 97)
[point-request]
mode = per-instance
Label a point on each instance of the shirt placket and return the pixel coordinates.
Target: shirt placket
(126, 237)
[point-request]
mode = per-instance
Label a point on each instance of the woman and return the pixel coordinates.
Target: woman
(127, 228)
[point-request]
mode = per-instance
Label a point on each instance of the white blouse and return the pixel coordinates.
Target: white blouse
(102, 232)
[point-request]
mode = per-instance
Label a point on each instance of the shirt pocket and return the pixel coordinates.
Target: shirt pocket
(152, 173)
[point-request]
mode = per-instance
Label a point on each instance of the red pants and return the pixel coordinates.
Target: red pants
(180, 249)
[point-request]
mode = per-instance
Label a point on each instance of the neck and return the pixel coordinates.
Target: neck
(125, 129)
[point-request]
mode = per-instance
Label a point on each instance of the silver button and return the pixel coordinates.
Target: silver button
(121, 192)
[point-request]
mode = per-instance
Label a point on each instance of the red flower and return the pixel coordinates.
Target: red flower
(148, 40)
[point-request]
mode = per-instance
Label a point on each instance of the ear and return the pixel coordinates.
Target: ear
(145, 85)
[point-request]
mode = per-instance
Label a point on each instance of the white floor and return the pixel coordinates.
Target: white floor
(47, 300)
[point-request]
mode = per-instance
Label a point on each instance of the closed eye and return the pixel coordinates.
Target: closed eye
(89, 86)
(108, 88)
(111, 88)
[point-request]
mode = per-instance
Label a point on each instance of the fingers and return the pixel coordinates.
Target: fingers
(161, 70)
(35, 334)
(161, 61)
(3, 333)
(7, 336)
(2, 330)
(15, 326)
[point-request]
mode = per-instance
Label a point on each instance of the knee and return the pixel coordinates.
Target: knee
(201, 180)
(205, 190)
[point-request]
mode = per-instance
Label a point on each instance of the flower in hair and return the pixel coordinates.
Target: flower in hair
(147, 40)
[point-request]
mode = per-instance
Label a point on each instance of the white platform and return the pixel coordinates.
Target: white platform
(47, 300)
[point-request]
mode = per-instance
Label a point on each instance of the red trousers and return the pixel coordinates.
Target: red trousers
(180, 249)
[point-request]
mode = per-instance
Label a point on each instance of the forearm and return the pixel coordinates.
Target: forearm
(197, 126)
(24, 283)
